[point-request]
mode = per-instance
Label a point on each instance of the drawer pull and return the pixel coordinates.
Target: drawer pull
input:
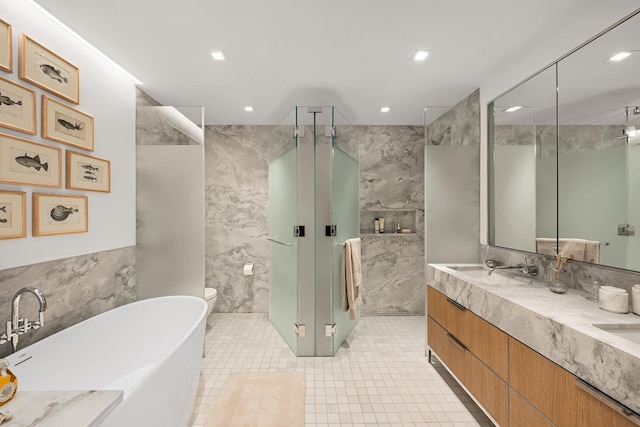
(455, 342)
(618, 407)
(456, 303)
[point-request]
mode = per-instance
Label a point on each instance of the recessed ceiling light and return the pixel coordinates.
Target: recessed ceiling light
(248, 108)
(385, 109)
(420, 55)
(619, 56)
(219, 55)
(512, 109)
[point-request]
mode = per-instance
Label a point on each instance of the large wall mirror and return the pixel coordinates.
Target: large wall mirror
(564, 169)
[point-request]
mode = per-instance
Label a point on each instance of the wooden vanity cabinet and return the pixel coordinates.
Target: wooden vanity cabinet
(516, 385)
(483, 339)
(474, 350)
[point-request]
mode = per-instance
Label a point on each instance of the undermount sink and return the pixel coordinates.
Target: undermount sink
(630, 332)
(478, 273)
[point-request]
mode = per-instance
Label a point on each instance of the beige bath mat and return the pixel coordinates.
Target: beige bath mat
(273, 399)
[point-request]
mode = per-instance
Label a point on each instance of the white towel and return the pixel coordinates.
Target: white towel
(592, 251)
(575, 249)
(546, 246)
(572, 248)
(351, 276)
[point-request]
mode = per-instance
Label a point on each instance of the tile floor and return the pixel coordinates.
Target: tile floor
(382, 379)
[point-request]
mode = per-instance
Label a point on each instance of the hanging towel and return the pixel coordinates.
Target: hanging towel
(351, 276)
(572, 248)
(592, 251)
(546, 246)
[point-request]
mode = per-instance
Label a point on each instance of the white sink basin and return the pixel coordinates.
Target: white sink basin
(630, 332)
(498, 277)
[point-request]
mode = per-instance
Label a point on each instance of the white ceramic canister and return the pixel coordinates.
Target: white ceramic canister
(613, 299)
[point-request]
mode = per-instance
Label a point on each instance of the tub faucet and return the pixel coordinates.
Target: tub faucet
(17, 326)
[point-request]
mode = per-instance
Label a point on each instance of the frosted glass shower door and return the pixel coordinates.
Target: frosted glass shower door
(283, 265)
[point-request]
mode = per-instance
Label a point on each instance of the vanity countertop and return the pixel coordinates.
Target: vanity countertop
(61, 408)
(558, 326)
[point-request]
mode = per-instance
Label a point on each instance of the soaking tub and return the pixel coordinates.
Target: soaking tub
(150, 349)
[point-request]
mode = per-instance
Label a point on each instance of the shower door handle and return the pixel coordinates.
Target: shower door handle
(279, 242)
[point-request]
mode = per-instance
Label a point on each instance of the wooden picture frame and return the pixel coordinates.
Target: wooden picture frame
(59, 214)
(27, 162)
(43, 68)
(67, 125)
(87, 172)
(6, 46)
(13, 214)
(17, 107)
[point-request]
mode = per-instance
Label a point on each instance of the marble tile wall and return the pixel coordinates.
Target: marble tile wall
(457, 126)
(236, 223)
(573, 138)
(161, 125)
(392, 185)
(75, 289)
(236, 187)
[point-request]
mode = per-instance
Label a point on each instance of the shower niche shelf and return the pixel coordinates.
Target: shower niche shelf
(407, 218)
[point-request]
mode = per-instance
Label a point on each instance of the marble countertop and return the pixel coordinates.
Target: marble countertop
(558, 326)
(61, 408)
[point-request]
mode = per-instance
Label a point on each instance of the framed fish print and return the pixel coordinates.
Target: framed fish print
(6, 47)
(43, 68)
(59, 214)
(17, 107)
(13, 214)
(88, 173)
(27, 162)
(67, 125)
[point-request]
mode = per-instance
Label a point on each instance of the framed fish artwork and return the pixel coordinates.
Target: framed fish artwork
(27, 162)
(59, 214)
(6, 47)
(67, 125)
(13, 214)
(43, 68)
(87, 173)
(17, 107)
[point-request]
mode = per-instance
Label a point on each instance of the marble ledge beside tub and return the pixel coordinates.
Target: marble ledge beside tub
(61, 408)
(558, 326)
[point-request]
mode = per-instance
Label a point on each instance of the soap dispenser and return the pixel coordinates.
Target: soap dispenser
(8, 383)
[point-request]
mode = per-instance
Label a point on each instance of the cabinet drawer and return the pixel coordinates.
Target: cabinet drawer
(447, 349)
(483, 339)
(522, 414)
(596, 409)
(486, 387)
(543, 383)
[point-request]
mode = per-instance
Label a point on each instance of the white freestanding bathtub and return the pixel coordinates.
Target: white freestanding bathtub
(151, 349)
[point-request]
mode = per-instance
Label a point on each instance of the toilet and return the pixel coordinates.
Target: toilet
(210, 296)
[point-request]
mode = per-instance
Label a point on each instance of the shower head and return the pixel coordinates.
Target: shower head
(438, 139)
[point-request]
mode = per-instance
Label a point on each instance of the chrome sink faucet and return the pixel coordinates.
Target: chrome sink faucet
(526, 267)
(17, 326)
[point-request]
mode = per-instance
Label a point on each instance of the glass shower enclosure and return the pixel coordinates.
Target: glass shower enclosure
(313, 208)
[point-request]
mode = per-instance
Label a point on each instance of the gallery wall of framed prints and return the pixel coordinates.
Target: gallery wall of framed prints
(61, 149)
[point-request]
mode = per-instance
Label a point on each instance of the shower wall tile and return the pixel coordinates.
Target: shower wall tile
(391, 167)
(236, 185)
(392, 179)
(75, 289)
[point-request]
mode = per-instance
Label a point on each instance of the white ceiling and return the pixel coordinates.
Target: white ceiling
(354, 54)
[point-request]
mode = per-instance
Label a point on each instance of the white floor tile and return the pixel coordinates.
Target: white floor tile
(382, 379)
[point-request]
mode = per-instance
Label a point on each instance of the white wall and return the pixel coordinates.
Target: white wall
(595, 17)
(108, 95)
